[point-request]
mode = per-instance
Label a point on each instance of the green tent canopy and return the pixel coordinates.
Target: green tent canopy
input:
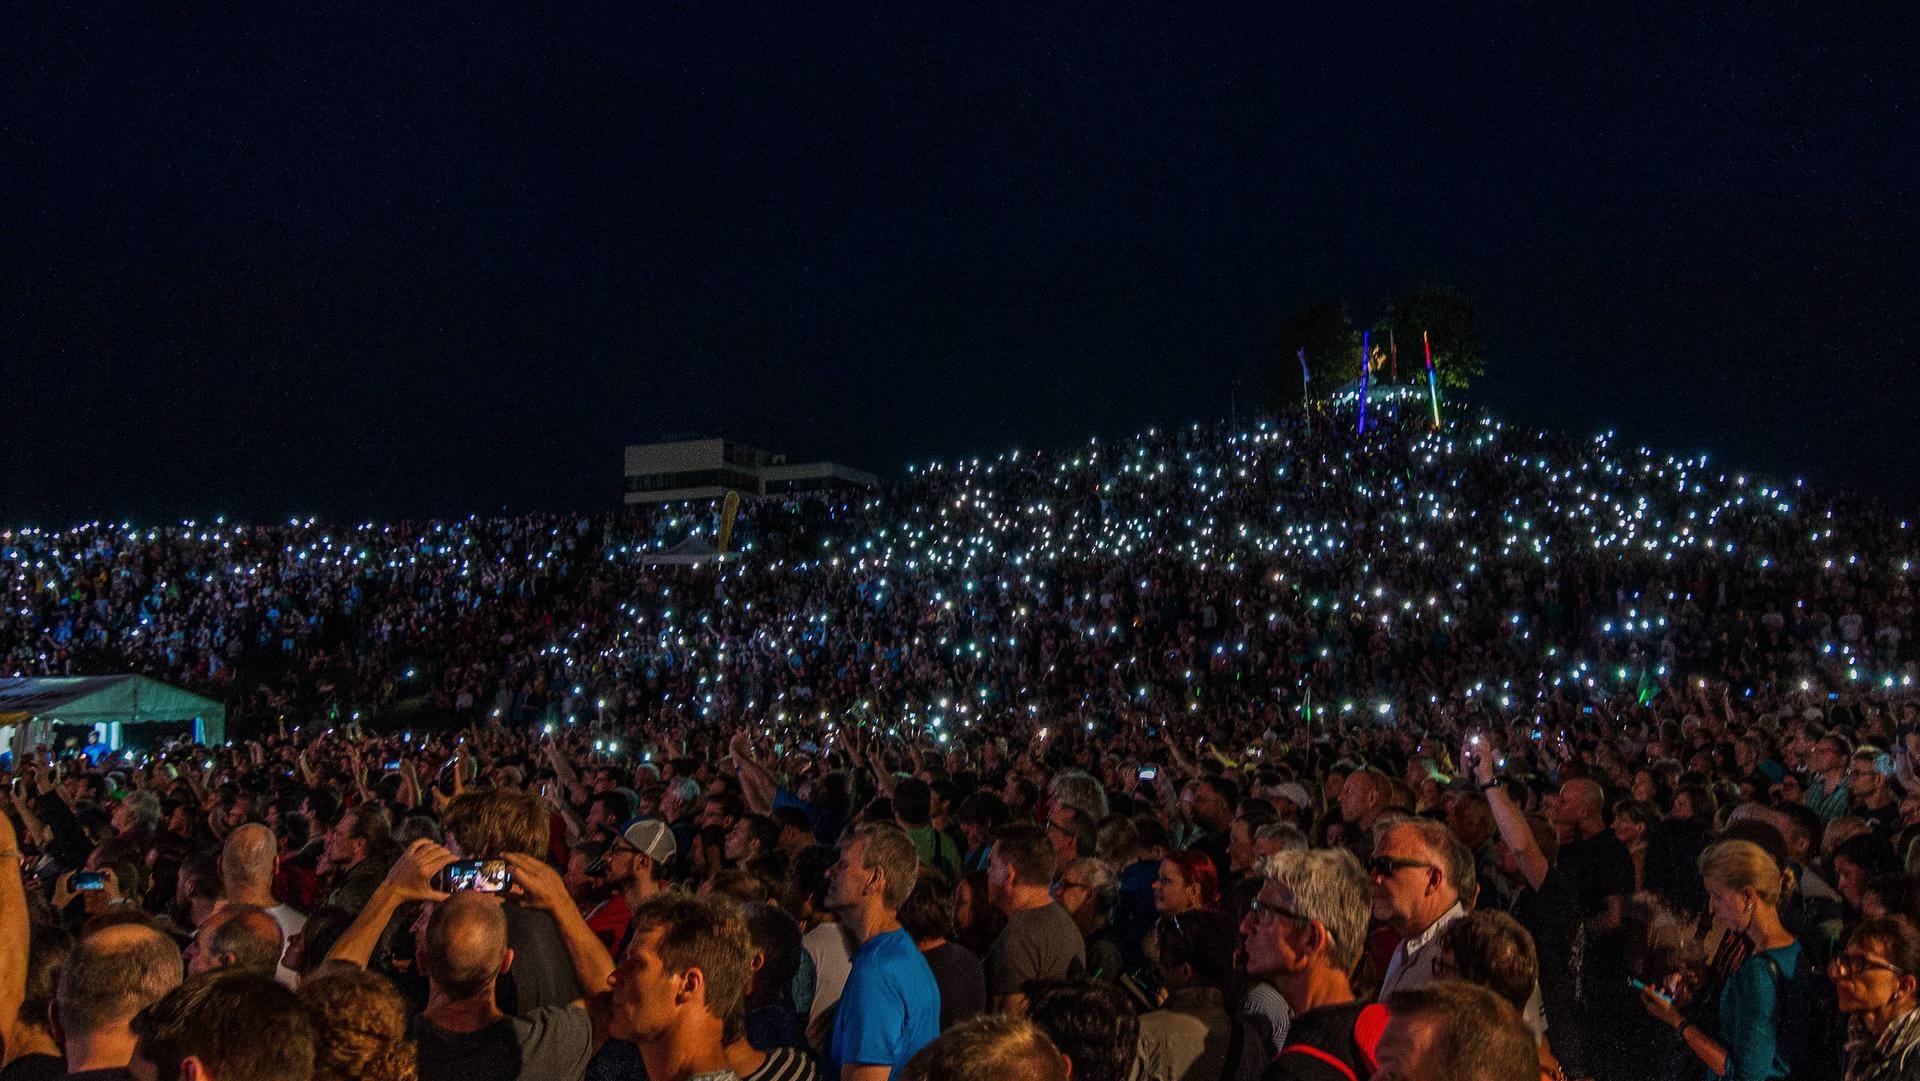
(32, 704)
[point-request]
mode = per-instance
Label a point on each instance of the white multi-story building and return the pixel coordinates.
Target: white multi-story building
(697, 469)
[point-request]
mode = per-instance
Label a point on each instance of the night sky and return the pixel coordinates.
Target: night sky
(367, 260)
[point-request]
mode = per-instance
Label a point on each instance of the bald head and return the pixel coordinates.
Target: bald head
(237, 936)
(247, 859)
(466, 944)
(1581, 800)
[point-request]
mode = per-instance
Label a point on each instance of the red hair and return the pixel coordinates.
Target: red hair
(1199, 870)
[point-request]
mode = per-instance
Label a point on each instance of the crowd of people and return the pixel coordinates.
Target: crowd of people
(1279, 752)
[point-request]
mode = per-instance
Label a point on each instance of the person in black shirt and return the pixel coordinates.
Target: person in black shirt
(1600, 871)
(927, 916)
(1599, 865)
(1546, 906)
(1873, 799)
(113, 974)
(1304, 933)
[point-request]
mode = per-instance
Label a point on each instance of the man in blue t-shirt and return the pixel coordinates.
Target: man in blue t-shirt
(891, 1006)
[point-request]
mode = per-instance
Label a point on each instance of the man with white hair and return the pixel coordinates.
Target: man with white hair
(1304, 935)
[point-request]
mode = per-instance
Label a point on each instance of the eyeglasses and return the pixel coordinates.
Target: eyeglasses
(1063, 886)
(1388, 866)
(1857, 964)
(1058, 828)
(1259, 910)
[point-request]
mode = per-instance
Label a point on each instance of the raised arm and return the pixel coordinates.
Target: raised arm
(411, 879)
(757, 784)
(536, 885)
(1507, 816)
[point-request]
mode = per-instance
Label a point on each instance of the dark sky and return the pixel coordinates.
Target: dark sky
(374, 259)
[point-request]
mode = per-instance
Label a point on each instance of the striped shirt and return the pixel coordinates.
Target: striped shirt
(786, 1064)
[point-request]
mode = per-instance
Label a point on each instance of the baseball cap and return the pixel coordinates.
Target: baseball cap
(1293, 792)
(653, 839)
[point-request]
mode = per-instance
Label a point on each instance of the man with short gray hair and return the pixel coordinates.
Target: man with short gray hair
(1418, 870)
(1087, 888)
(1304, 934)
(890, 1008)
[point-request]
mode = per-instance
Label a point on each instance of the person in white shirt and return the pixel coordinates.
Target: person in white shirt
(1416, 871)
(247, 862)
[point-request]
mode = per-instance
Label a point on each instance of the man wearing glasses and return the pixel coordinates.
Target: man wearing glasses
(1416, 871)
(1304, 933)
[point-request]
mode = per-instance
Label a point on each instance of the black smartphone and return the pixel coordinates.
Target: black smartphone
(480, 876)
(1149, 773)
(89, 880)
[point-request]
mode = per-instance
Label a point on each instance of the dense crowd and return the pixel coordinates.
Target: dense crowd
(1211, 753)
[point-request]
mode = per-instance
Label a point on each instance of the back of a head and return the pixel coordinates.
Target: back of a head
(913, 802)
(47, 953)
(245, 933)
(994, 1047)
(1491, 949)
(240, 1026)
(491, 822)
(1025, 850)
(466, 944)
(247, 859)
(1473, 1035)
(776, 938)
(360, 1024)
(1081, 791)
(928, 912)
(1092, 1024)
(112, 975)
(1203, 939)
(807, 877)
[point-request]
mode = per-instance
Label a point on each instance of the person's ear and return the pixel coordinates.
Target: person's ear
(506, 960)
(192, 1069)
(693, 988)
(759, 960)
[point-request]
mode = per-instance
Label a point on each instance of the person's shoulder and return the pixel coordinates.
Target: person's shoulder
(1301, 1066)
(786, 1064)
(552, 1022)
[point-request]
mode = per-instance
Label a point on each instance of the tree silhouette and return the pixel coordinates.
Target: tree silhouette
(1324, 331)
(1447, 315)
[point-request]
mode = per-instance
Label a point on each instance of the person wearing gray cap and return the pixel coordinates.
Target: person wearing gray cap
(636, 868)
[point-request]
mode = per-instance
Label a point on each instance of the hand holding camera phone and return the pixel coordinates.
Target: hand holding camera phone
(478, 876)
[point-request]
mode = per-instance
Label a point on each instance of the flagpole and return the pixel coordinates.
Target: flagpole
(1305, 406)
(1433, 384)
(1366, 339)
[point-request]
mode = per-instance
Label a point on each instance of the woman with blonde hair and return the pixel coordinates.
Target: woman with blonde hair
(1743, 893)
(362, 1025)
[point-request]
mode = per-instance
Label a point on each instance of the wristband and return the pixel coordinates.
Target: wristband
(1490, 785)
(1684, 1026)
